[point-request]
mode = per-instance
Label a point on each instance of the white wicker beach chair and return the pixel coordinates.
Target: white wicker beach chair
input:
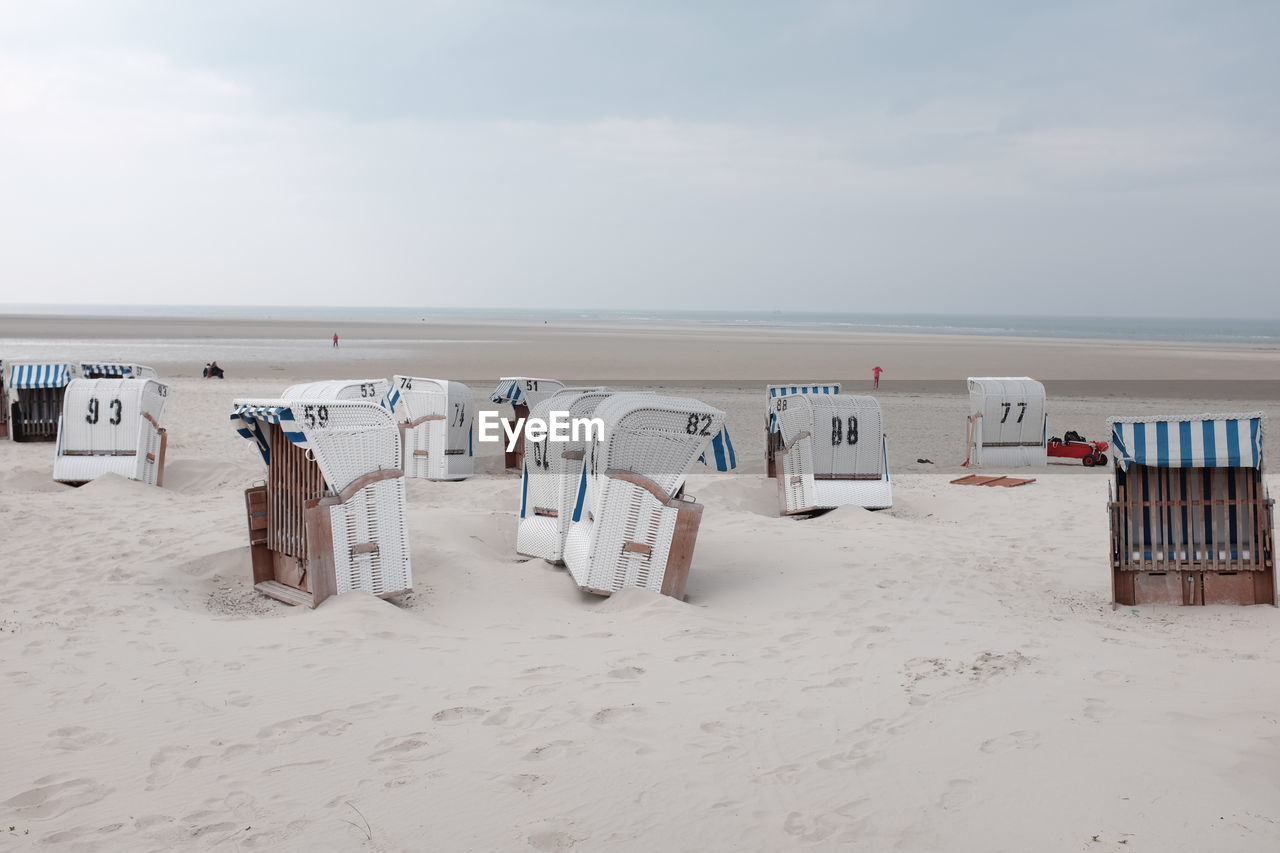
(772, 438)
(1008, 423)
(111, 426)
(437, 427)
(628, 527)
(833, 453)
(330, 517)
(35, 391)
(551, 476)
(522, 393)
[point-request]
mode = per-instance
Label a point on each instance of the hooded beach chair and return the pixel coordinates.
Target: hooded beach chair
(521, 393)
(437, 427)
(833, 452)
(115, 370)
(111, 426)
(551, 475)
(330, 517)
(1190, 514)
(772, 439)
(36, 390)
(1008, 424)
(630, 524)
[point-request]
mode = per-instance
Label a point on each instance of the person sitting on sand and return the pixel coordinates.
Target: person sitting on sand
(216, 372)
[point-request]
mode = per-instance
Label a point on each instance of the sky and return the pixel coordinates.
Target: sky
(909, 155)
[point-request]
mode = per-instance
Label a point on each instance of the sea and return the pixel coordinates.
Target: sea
(1250, 331)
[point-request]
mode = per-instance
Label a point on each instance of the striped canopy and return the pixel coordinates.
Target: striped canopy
(511, 394)
(788, 390)
(40, 375)
(785, 390)
(108, 369)
(723, 456)
(248, 419)
(1193, 441)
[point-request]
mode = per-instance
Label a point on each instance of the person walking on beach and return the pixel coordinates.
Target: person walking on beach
(875, 377)
(335, 340)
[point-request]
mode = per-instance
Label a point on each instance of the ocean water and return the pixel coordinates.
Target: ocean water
(1257, 332)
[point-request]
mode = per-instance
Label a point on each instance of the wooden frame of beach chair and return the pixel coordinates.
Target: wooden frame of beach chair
(772, 438)
(331, 515)
(521, 393)
(36, 390)
(437, 427)
(115, 370)
(632, 526)
(1008, 424)
(551, 476)
(833, 453)
(1190, 517)
(111, 426)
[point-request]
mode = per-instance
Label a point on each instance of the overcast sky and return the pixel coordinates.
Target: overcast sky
(1018, 157)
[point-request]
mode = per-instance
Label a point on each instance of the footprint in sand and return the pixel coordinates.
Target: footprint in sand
(959, 793)
(414, 746)
(56, 798)
(527, 783)
(1023, 739)
(551, 839)
(75, 738)
(453, 716)
(627, 672)
(1098, 709)
(555, 749)
(612, 715)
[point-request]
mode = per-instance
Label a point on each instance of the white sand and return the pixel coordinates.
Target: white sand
(945, 675)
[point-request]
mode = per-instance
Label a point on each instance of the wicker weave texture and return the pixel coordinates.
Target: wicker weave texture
(370, 390)
(1008, 422)
(551, 475)
(109, 426)
(443, 447)
(837, 453)
(374, 515)
(622, 537)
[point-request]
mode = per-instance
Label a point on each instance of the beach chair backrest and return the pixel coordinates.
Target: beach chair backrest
(365, 390)
(657, 436)
(553, 469)
(843, 434)
(524, 390)
(108, 415)
(1011, 411)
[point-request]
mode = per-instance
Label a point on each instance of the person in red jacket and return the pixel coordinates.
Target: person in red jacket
(335, 340)
(875, 377)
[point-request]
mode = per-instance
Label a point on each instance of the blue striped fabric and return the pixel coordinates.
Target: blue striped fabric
(1193, 442)
(248, 420)
(788, 390)
(722, 452)
(390, 401)
(39, 375)
(108, 369)
(511, 394)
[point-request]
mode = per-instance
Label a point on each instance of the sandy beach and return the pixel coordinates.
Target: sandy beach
(946, 675)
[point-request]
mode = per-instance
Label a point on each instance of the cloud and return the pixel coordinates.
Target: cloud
(139, 166)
